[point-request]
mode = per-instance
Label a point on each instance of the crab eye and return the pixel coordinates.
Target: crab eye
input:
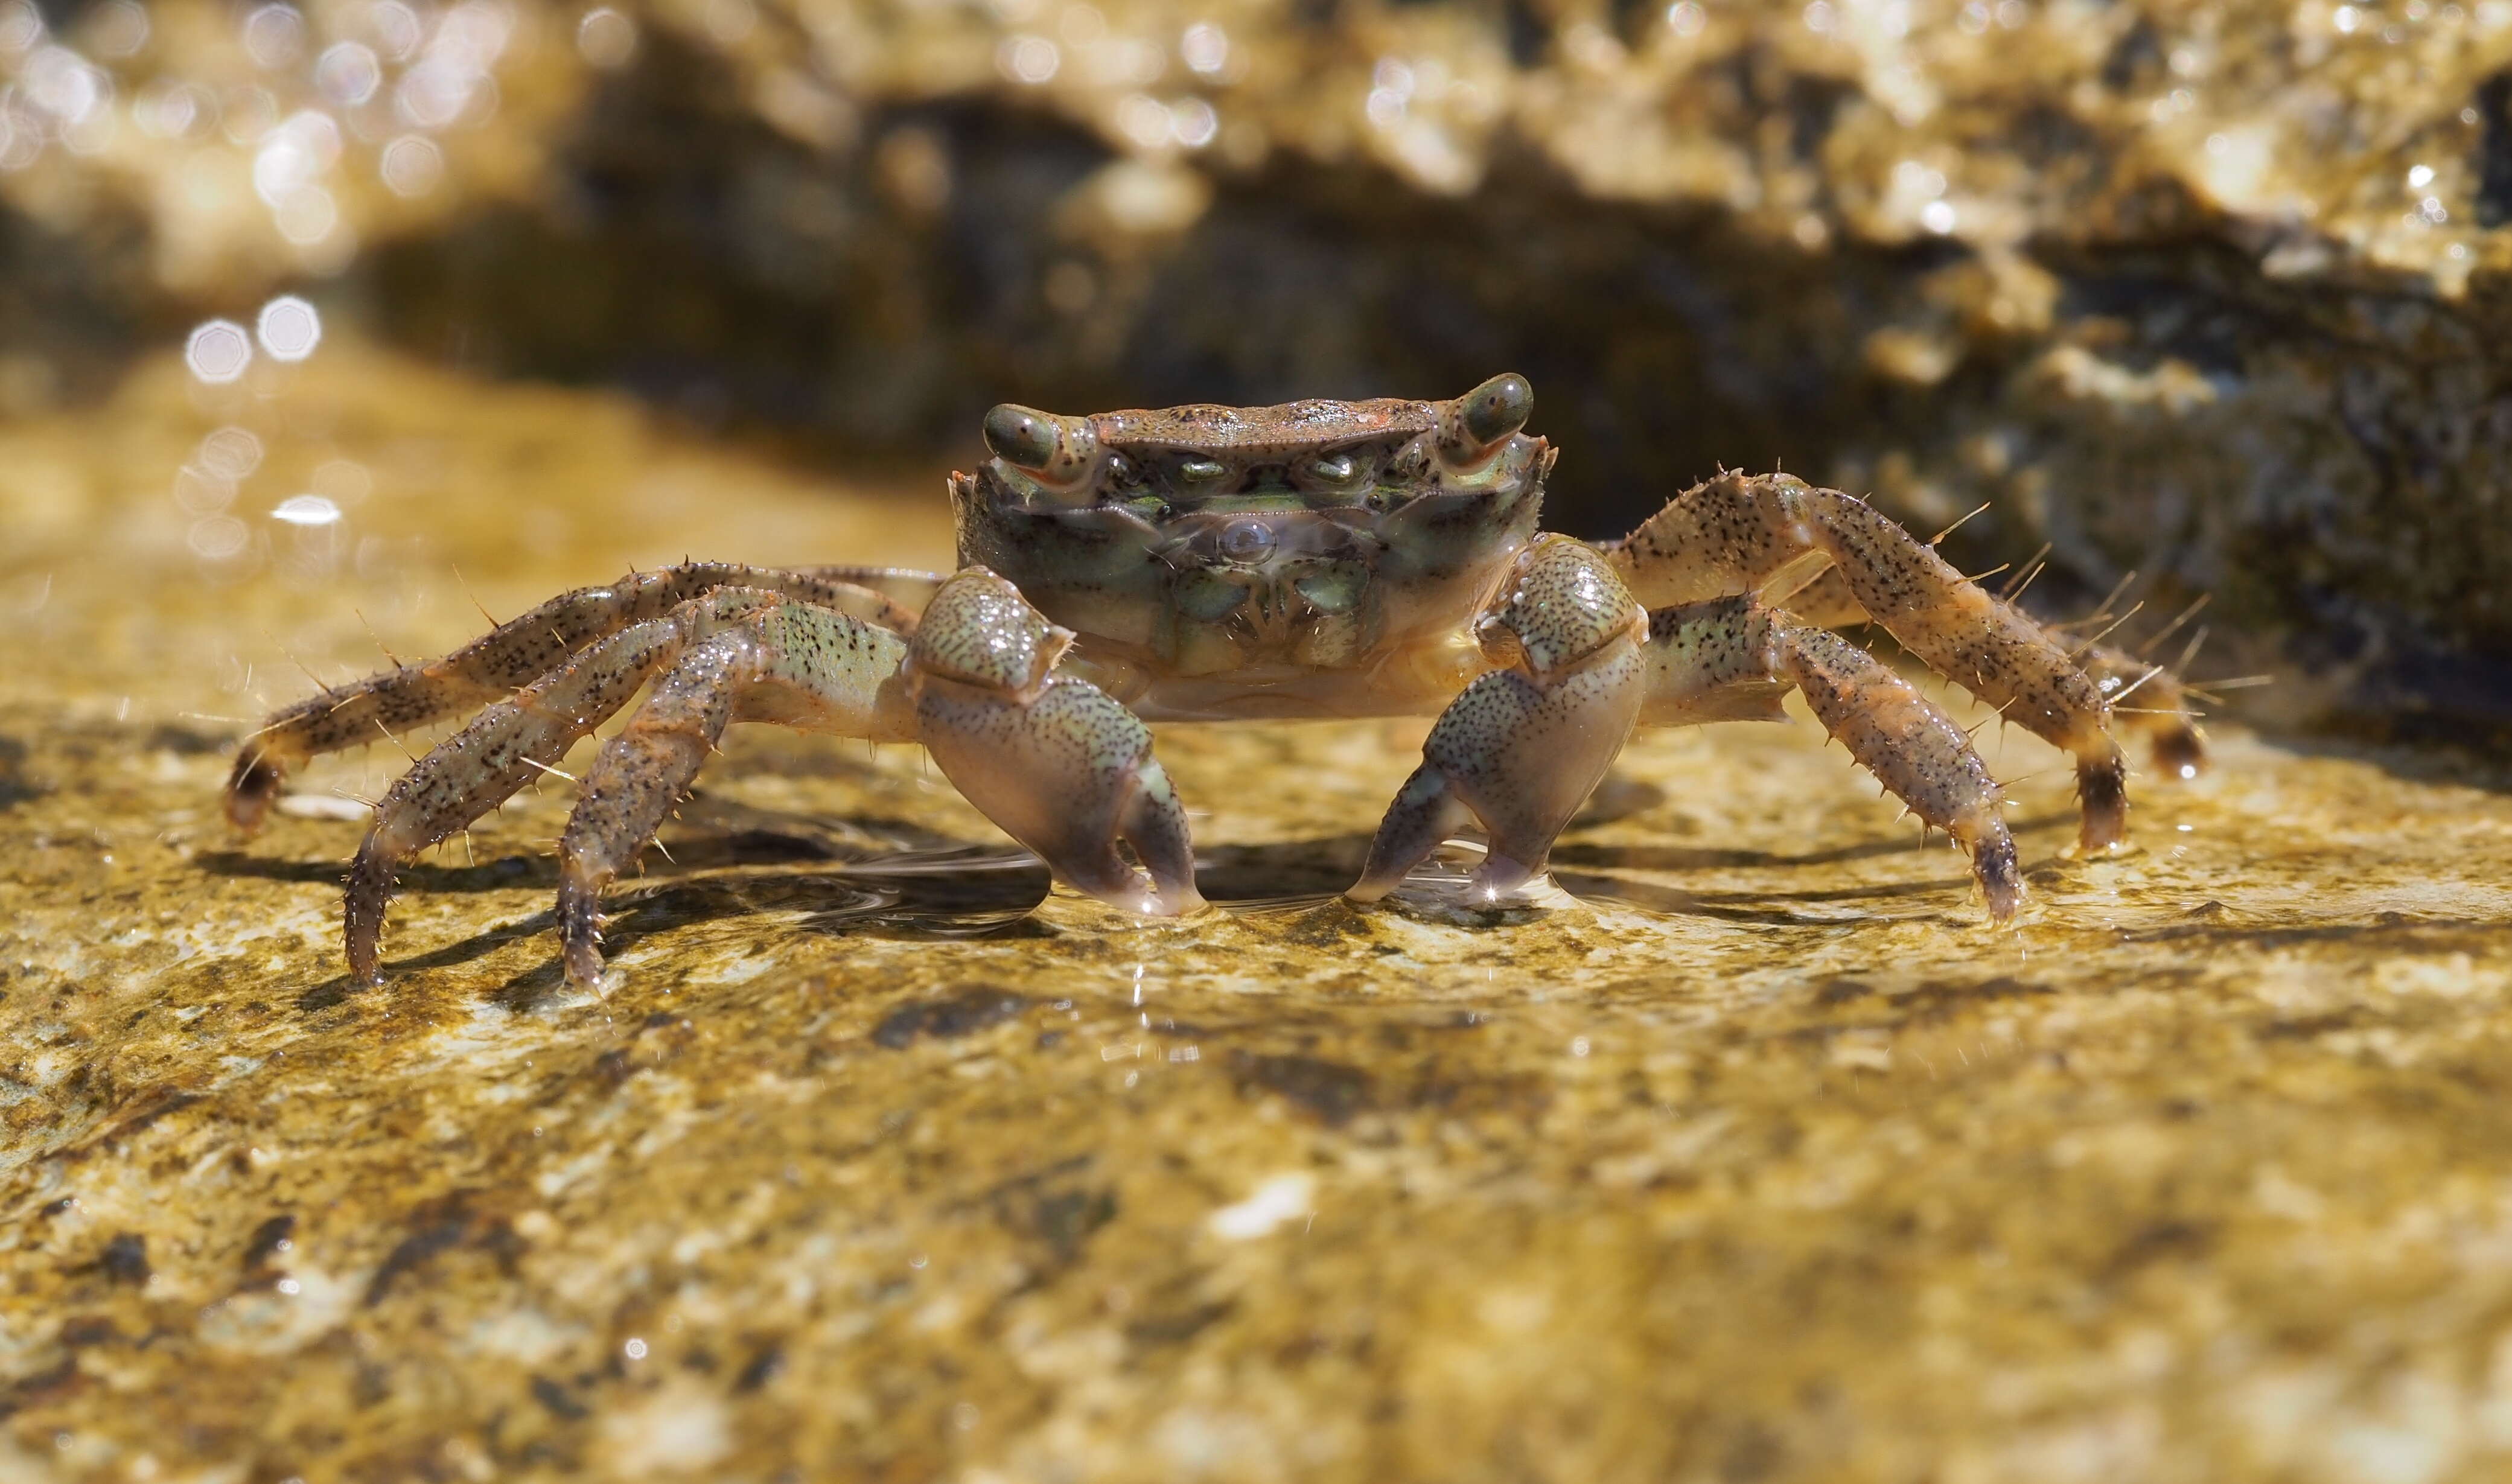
(1335, 471)
(1201, 473)
(1022, 437)
(1496, 408)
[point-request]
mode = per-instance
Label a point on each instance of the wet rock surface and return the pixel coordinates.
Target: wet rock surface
(1764, 1159)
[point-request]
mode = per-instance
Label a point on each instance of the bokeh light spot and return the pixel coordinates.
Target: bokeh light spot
(605, 38)
(397, 28)
(1031, 59)
(1206, 47)
(217, 538)
(230, 453)
(218, 352)
(307, 217)
(288, 328)
(348, 73)
(199, 492)
(21, 26)
(120, 27)
(346, 481)
(411, 166)
(306, 510)
(274, 35)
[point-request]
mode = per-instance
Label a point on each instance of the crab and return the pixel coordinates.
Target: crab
(1204, 563)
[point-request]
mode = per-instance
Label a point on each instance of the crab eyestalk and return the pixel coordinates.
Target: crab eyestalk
(1474, 427)
(1059, 455)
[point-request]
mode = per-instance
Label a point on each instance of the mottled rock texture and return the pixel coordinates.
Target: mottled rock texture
(1768, 1162)
(2214, 293)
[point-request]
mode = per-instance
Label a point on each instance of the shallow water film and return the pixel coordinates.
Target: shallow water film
(1762, 1158)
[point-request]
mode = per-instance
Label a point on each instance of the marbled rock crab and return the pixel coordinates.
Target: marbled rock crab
(1198, 564)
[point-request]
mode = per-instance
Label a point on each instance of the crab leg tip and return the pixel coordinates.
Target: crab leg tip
(361, 918)
(2179, 752)
(2001, 879)
(251, 788)
(579, 929)
(2101, 791)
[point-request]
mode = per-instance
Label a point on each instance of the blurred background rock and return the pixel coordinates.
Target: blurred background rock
(2211, 292)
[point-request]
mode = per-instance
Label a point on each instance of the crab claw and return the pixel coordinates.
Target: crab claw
(1053, 760)
(1522, 747)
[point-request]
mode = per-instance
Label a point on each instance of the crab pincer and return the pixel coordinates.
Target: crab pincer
(1524, 745)
(1053, 759)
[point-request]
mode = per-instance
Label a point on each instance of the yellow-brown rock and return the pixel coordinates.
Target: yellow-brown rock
(1764, 1161)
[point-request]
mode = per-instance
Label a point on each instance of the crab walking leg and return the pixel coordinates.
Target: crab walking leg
(507, 746)
(1912, 748)
(1732, 659)
(1053, 760)
(502, 661)
(1733, 534)
(2161, 714)
(1523, 746)
(791, 664)
(2175, 741)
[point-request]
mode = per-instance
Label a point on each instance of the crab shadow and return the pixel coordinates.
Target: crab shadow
(891, 881)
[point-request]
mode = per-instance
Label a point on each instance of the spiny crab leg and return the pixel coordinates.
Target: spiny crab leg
(1913, 749)
(1058, 764)
(2160, 712)
(790, 663)
(513, 655)
(1731, 534)
(1732, 659)
(1053, 759)
(2162, 715)
(510, 744)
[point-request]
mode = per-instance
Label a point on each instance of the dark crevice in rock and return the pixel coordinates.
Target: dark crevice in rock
(2495, 151)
